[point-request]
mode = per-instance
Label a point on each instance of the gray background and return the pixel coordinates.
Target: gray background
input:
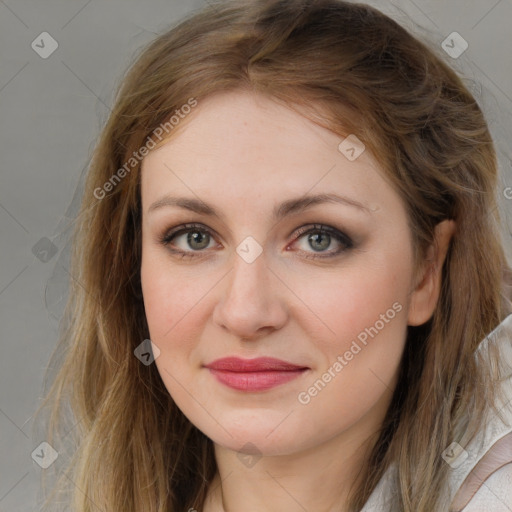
(51, 111)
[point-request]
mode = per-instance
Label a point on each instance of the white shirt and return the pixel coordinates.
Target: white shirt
(495, 493)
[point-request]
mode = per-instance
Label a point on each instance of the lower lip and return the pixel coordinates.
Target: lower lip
(255, 381)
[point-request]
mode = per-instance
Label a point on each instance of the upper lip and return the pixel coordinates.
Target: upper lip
(259, 364)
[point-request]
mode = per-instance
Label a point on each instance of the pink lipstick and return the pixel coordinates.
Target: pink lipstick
(254, 374)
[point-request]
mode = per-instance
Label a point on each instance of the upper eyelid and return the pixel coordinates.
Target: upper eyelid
(183, 228)
(303, 229)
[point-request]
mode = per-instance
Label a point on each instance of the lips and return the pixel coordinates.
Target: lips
(257, 374)
(260, 364)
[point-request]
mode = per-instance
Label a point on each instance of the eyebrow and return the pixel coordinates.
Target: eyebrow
(288, 207)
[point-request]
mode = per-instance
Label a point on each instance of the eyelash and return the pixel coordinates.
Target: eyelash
(342, 238)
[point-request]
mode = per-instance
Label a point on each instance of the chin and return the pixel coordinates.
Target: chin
(262, 438)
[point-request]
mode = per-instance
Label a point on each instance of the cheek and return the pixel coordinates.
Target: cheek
(172, 297)
(361, 328)
(344, 305)
(173, 307)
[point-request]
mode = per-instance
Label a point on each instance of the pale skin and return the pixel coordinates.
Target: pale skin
(244, 154)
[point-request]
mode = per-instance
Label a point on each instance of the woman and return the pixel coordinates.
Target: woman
(247, 365)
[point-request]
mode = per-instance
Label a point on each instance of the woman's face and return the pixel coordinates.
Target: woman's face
(333, 299)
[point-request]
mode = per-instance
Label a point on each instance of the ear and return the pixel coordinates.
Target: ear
(425, 295)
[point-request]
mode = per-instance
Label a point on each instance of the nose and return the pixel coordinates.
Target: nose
(252, 300)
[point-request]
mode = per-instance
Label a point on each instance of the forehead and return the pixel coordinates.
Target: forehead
(244, 145)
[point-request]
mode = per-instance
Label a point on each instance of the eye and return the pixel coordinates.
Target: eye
(197, 238)
(321, 237)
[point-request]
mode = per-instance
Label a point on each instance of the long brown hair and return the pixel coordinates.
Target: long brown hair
(353, 70)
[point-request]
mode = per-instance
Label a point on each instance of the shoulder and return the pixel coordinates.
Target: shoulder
(481, 476)
(484, 481)
(495, 494)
